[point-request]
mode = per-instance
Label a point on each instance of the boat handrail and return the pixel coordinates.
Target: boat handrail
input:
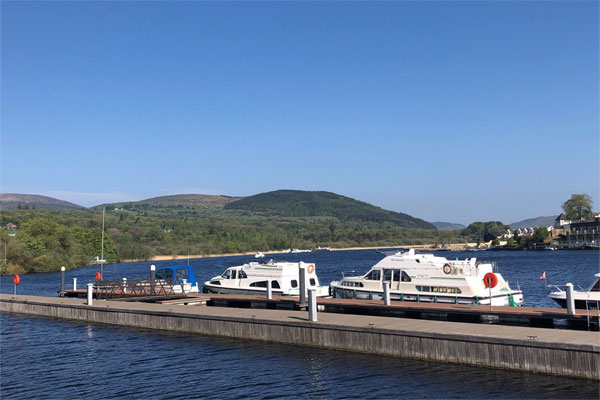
(353, 272)
(558, 287)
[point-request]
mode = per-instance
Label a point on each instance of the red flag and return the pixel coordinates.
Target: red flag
(543, 275)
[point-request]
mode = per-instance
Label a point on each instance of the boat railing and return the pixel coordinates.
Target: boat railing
(350, 273)
(560, 288)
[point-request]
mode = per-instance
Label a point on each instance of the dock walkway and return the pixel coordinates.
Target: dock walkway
(551, 351)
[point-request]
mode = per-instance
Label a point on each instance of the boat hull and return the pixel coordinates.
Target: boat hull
(322, 291)
(502, 299)
(581, 304)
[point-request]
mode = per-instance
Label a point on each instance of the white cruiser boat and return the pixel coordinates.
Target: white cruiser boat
(251, 278)
(589, 299)
(428, 278)
(259, 254)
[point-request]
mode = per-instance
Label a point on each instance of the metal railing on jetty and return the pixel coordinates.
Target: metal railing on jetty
(108, 290)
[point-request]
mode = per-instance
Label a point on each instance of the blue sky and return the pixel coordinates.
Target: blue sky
(447, 111)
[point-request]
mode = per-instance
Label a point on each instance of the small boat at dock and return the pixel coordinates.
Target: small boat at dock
(253, 277)
(584, 299)
(429, 278)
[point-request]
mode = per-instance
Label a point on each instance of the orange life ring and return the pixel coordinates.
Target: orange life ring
(310, 269)
(447, 269)
(490, 280)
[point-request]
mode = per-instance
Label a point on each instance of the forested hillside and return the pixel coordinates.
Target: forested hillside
(297, 203)
(44, 240)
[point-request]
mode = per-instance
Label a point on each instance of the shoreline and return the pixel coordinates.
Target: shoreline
(453, 247)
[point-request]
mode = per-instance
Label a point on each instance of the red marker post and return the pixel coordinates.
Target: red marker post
(16, 281)
(490, 280)
(98, 279)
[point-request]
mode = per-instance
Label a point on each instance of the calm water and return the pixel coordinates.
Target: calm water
(47, 358)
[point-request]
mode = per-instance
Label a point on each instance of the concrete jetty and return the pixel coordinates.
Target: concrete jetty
(549, 351)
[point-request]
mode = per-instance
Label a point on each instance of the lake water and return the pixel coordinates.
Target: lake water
(48, 358)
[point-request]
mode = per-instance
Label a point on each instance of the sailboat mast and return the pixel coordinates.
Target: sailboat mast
(102, 245)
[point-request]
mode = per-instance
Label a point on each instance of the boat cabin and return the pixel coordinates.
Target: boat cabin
(177, 274)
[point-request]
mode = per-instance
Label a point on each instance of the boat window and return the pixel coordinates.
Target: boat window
(596, 287)
(181, 273)
(405, 277)
(215, 283)
(312, 282)
(374, 275)
(226, 274)
(168, 274)
(439, 289)
(396, 276)
(275, 285)
(387, 274)
(233, 274)
(294, 283)
(259, 284)
(242, 274)
(352, 284)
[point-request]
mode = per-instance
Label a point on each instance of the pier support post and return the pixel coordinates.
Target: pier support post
(90, 288)
(74, 284)
(62, 279)
(302, 276)
(269, 290)
(570, 299)
(124, 285)
(386, 293)
(312, 304)
(152, 278)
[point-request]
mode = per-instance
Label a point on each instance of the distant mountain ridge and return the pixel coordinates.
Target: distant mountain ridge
(534, 222)
(210, 201)
(448, 225)
(12, 201)
(299, 203)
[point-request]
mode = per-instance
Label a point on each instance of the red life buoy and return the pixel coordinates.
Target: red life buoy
(447, 269)
(490, 280)
(16, 279)
(310, 269)
(98, 276)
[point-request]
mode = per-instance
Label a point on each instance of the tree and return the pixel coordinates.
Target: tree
(540, 235)
(578, 207)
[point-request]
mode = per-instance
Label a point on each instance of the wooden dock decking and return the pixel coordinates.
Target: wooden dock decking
(532, 316)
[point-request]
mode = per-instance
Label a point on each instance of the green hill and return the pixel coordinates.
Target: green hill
(298, 203)
(13, 201)
(213, 202)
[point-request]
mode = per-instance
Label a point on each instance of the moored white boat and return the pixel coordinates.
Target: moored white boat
(428, 278)
(182, 277)
(252, 278)
(584, 299)
(259, 254)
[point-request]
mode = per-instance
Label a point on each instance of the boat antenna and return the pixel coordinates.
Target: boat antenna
(102, 246)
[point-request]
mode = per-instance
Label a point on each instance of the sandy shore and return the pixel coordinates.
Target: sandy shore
(453, 247)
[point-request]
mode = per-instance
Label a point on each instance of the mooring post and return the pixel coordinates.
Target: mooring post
(386, 293)
(302, 277)
(90, 288)
(269, 290)
(570, 299)
(152, 277)
(74, 284)
(62, 279)
(312, 304)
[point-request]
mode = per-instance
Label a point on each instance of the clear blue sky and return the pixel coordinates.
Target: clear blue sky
(447, 111)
